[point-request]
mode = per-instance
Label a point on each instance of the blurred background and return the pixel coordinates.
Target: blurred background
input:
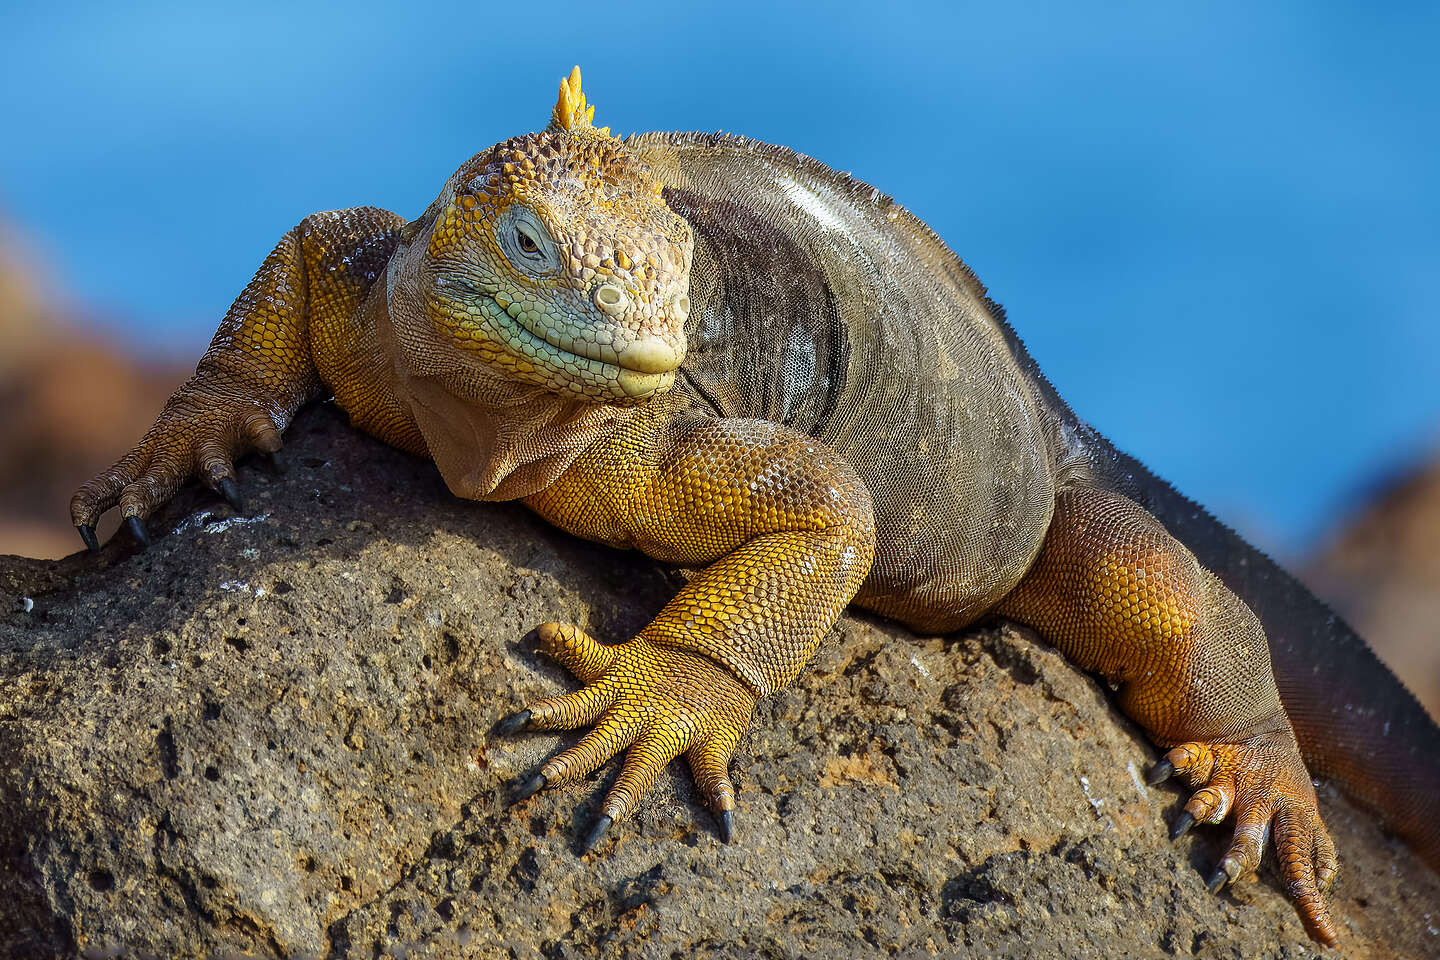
(1217, 226)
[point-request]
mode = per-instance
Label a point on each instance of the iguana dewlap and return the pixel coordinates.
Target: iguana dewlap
(729, 356)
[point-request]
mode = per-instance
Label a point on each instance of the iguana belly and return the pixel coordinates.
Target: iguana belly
(819, 303)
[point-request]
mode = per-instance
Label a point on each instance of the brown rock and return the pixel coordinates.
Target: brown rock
(272, 736)
(74, 402)
(1381, 569)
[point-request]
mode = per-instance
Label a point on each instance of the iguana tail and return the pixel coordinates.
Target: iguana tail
(1356, 722)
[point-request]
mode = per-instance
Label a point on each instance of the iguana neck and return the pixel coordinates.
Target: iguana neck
(492, 438)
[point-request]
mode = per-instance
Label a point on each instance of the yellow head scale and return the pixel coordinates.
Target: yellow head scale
(557, 260)
(571, 113)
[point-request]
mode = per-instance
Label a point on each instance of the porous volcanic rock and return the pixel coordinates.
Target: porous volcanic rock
(271, 736)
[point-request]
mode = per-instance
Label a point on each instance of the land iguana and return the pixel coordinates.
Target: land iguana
(731, 357)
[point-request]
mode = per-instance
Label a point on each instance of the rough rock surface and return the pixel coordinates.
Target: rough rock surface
(271, 736)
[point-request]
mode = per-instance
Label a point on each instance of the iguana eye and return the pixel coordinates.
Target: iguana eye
(526, 243)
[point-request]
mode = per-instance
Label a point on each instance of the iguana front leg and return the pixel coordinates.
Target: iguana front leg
(786, 530)
(294, 329)
(1116, 593)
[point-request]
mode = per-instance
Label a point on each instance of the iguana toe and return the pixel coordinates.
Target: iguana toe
(1263, 783)
(136, 526)
(1162, 771)
(197, 434)
(652, 701)
(529, 788)
(710, 765)
(87, 534)
(513, 723)
(1327, 864)
(612, 734)
(592, 839)
(1307, 861)
(231, 493)
(575, 650)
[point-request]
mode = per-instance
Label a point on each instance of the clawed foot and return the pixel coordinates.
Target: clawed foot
(1264, 783)
(658, 702)
(196, 435)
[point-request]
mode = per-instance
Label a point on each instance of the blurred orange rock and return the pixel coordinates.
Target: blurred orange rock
(73, 402)
(1380, 569)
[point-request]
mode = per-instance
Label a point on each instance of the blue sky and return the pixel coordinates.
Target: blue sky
(1217, 225)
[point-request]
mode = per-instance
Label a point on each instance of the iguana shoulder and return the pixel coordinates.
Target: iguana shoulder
(821, 303)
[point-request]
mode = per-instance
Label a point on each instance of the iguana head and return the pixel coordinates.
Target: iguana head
(553, 257)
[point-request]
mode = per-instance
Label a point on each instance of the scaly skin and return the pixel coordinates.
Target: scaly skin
(291, 331)
(526, 332)
(785, 533)
(1120, 596)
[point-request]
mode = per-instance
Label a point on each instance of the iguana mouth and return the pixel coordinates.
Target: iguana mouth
(641, 369)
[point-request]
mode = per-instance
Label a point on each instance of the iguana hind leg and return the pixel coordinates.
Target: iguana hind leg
(1115, 592)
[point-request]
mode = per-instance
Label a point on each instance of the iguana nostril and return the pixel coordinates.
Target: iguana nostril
(682, 307)
(610, 299)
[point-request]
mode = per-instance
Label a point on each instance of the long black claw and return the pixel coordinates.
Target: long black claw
(231, 493)
(1217, 880)
(514, 722)
(727, 825)
(136, 526)
(596, 832)
(530, 787)
(87, 533)
(1182, 823)
(276, 462)
(1163, 771)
